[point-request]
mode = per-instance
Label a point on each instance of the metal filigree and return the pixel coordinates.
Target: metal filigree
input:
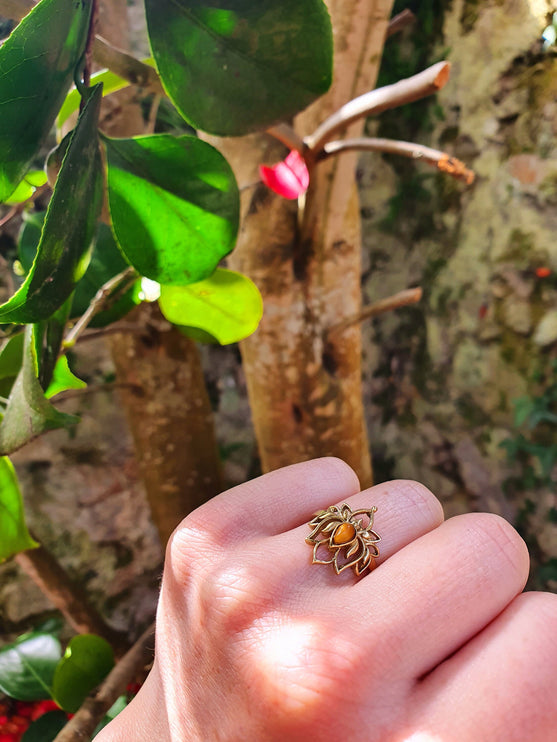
(348, 538)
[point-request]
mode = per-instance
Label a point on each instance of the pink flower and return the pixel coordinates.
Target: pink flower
(289, 178)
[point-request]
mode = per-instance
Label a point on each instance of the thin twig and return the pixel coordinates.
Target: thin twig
(132, 666)
(153, 111)
(120, 328)
(95, 388)
(106, 55)
(402, 299)
(18, 208)
(286, 134)
(441, 160)
(400, 21)
(69, 598)
(96, 304)
(376, 101)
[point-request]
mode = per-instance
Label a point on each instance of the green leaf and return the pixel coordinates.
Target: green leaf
(33, 180)
(117, 707)
(29, 237)
(63, 379)
(86, 662)
(174, 204)
(111, 84)
(227, 305)
(14, 536)
(107, 261)
(11, 357)
(235, 66)
(69, 226)
(37, 64)
(46, 727)
(27, 666)
(29, 413)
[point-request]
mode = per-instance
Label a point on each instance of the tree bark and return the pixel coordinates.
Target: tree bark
(305, 391)
(170, 417)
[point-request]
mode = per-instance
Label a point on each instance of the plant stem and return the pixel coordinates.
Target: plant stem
(402, 299)
(441, 160)
(286, 134)
(376, 101)
(106, 55)
(89, 47)
(18, 208)
(96, 303)
(400, 22)
(132, 666)
(69, 598)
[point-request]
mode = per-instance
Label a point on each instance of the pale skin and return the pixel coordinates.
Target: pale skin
(256, 644)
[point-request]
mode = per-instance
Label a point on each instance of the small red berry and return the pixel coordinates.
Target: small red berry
(543, 272)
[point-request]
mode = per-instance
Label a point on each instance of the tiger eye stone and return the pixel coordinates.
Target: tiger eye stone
(343, 534)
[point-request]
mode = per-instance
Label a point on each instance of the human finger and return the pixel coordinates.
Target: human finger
(406, 510)
(274, 502)
(432, 596)
(507, 675)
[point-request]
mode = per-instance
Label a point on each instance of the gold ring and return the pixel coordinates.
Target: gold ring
(349, 540)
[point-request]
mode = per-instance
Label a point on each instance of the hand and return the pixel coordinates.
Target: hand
(256, 644)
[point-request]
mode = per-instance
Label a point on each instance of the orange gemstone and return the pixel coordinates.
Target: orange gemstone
(343, 534)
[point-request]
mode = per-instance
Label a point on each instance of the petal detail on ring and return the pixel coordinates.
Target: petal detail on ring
(321, 561)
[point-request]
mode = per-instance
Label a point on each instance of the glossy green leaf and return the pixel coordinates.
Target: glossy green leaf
(69, 227)
(174, 204)
(37, 64)
(111, 84)
(29, 237)
(63, 379)
(107, 261)
(227, 305)
(235, 66)
(46, 727)
(29, 413)
(87, 661)
(14, 536)
(11, 357)
(33, 180)
(27, 666)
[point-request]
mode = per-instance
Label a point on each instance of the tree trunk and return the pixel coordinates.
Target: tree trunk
(159, 370)
(305, 390)
(170, 417)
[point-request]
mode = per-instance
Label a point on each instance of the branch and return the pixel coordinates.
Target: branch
(402, 299)
(120, 281)
(53, 580)
(132, 665)
(441, 160)
(400, 22)
(286, 134)
(124, 65)
(18, 208)
(381, 99)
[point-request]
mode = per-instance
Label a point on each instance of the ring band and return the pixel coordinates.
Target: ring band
(349, 541)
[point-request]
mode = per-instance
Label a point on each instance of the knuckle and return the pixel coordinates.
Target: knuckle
(419, 496)
(491, 536)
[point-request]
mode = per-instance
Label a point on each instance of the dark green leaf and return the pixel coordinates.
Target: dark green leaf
(63, 379)
(106, 262)
(69, 226)
(14, 536)
(48, 336)
(523, 406)
(29, 237)
(87, 661)
(119, 705)
(27, 666)
(37, 64)
(227, 305)
(234, 66)
(46, 727)
(11, 357)
(29, 413)
(174, 204)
